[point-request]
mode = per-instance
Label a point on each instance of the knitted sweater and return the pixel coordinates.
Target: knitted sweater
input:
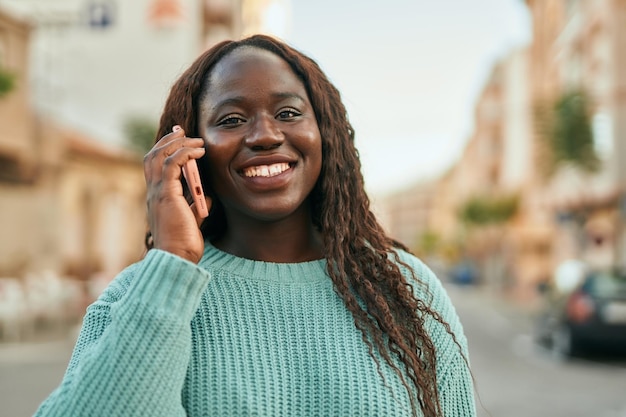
(236, 337)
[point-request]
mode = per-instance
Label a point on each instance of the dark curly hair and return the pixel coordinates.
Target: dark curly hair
(357, 249)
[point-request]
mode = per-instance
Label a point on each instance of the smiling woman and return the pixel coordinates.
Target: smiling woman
(255, 114)
(288, 299)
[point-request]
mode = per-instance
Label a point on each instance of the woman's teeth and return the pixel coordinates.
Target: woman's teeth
(266, 170)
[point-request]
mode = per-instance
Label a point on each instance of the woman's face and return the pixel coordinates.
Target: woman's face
(263, 144)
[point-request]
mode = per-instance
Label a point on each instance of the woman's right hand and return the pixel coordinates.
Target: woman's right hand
(174, 224)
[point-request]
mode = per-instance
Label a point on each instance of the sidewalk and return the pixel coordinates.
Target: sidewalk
(45, 347)
(31, 369)
(504, 310)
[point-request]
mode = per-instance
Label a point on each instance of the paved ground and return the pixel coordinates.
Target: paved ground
(29, 372)
(515, 378)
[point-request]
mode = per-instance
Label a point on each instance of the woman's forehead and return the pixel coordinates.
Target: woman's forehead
(249, 70)
(246, 61)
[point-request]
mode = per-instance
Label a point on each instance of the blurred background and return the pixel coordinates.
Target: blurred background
(493, 141)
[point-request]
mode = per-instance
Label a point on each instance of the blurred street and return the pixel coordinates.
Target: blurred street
(508, 176)
(515, 378)
(29, 372)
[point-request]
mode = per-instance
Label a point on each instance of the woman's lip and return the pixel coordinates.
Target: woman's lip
(266, 170)
(266, 160)
(266, 183)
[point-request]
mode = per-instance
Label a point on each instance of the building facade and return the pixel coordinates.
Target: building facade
(57, 188)
(564, 210)
(72, 199)
(583, 50)
(406, 214)
(97, 64)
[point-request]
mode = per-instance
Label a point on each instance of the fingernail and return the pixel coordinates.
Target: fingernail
(176, 128)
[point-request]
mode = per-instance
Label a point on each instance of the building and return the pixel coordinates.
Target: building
(564, 210)
(582, 49)
(489, 177)
(494, 163)
(406, 214)
(97, 64)
(68, 204)
(72, 199)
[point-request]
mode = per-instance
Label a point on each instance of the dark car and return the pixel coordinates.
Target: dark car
(590, 315)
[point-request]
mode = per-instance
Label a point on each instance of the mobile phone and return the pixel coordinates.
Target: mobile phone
(192, 176)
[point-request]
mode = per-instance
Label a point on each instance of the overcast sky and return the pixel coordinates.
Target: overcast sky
(409, 72)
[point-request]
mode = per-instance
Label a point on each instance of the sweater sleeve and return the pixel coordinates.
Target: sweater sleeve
(456, 393)
(454, 378)
(132, 352)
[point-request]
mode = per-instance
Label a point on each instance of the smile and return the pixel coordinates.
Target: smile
(266, 170)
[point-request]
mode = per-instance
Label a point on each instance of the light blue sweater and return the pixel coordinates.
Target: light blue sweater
(235, 337)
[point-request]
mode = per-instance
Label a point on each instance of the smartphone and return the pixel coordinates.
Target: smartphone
(192, 176)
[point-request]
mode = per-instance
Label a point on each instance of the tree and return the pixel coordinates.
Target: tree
(484, 210)
(568, 134)
(427, 242)
(140, 133)
(485, 218)
(7, 81)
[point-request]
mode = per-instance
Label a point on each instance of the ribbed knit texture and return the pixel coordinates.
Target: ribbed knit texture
(235, 337)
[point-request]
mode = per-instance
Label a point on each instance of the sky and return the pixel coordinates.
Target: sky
(409, 72)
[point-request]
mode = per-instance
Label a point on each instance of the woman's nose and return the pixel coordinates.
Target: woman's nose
(264, 134)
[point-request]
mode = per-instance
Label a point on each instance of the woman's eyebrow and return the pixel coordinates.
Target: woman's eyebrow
(289, 96)
(238, 100)
(227, 102)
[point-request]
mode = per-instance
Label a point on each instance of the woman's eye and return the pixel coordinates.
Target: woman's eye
(288, 114)
(230, 121)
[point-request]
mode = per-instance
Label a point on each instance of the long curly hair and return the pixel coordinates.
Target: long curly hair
(357, 250)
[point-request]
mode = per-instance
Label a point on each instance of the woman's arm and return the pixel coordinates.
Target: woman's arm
(133, 350)
(454, 378)
(455, 382)
(456, 389)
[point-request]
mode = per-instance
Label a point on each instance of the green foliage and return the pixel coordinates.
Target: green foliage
(7, 82)
(568, 133)
(140, 133)
(484, 210)
(428, 242)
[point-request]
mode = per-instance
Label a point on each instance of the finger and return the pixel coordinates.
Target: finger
(168, 159)
(177, 132)
(157, 149)
(173, 164)
(169, 143)
(200, 219)
(173, 144)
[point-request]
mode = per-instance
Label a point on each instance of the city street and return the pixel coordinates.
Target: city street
(29, 372)
(514, 377)
(506, 169)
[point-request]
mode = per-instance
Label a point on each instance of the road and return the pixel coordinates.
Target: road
(514, 378)
(517, 378)
(29, 372)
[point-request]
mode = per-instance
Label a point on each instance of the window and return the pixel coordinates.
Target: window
(602, 128)
(100, 14)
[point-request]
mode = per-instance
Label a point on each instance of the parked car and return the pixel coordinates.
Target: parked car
(464, 272)
(587, 313)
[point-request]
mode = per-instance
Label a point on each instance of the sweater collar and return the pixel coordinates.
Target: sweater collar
(310, 271)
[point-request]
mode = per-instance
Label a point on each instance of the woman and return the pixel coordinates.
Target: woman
(289, 299)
